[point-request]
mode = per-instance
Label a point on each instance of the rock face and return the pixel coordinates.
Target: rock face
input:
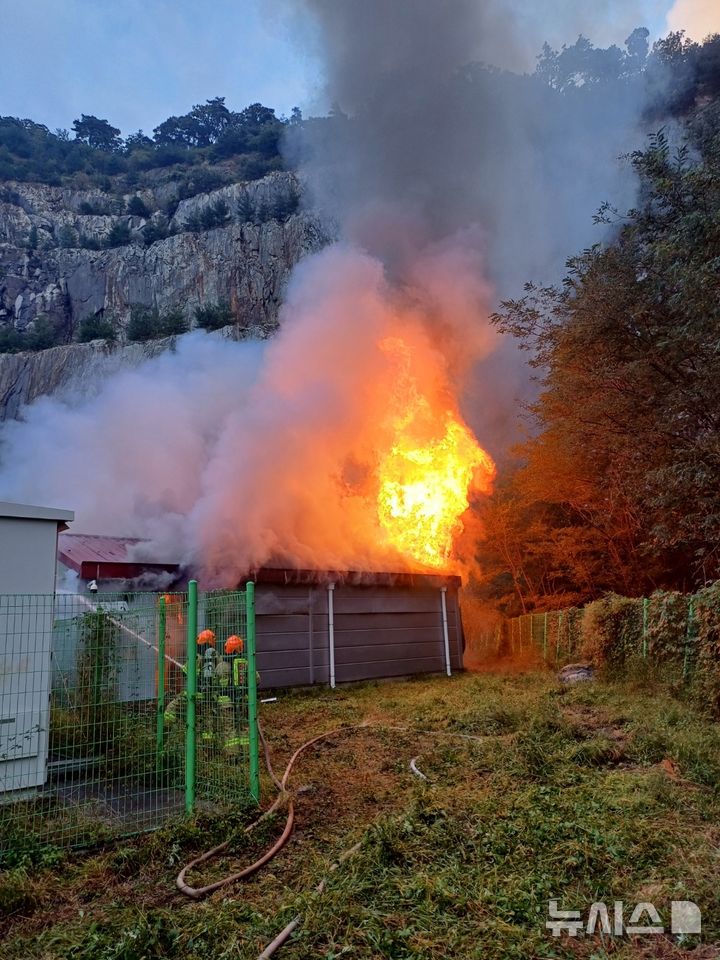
(48, 267)
(51, 268)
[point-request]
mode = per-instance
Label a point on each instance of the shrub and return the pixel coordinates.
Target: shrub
(89, 243)
(213, 316)
(97, 327)
(137, 207)
(611, 629)
(245, 209)
(119, 235)
(12, 340)
(67, 237)
(92, 209)
(155, 230)
(143, 324)
(149, 324)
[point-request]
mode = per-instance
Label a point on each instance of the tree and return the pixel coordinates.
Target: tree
(143, 324)
(67, 237)
(97, 327)
(154, 230)
(216, 214)
(137, 207)
(628, 441)
(138, 141)
(202, 127)
(97, 134)
(245, 209)
(148, 323)
(213, 316)
(119, 235)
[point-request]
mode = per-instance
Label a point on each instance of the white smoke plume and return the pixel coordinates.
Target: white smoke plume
(450, 185)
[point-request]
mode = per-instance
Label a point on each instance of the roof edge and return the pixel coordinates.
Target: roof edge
(27, 511)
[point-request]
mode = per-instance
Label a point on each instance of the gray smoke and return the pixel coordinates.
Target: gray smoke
(450, 185)
(435, 143)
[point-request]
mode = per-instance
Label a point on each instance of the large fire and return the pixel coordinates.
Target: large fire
(429, 472)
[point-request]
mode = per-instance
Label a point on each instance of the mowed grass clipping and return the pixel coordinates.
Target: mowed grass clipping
(597, 792)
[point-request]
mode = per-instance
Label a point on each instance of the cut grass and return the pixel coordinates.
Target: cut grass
(599, 792)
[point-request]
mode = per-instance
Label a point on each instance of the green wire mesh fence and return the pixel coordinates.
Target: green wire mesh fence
(119, 712)
(674, 633)
(555, 635)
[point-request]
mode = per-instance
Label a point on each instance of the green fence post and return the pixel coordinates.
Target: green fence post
(160, 729)
(252, 693)
(688, 638)
(644, 628)
(191, 694)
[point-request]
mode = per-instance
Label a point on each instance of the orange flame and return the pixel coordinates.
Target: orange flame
(427, 475)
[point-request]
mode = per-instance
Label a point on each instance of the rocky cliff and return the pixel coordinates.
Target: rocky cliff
(48, 266)
(55, 264)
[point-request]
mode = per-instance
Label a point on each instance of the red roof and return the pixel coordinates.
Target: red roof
(101, 558)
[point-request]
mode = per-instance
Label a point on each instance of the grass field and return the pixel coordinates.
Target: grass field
(597, 792)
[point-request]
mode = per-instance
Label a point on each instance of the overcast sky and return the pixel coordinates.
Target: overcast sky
(136, 62)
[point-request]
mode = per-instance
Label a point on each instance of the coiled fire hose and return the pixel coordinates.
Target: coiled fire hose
(198, 893)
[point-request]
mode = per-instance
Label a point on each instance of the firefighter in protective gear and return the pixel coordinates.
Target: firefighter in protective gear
(221, 688)
(205, 658)
(230, 701)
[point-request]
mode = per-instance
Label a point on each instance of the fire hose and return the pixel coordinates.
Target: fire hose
(198, 893)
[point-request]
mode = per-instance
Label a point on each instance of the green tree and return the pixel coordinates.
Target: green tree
(119, 235)
(172, 323)
(143, 325)
(137, 207)
(213, 316)
(97, 134)
(245, 209)
(628, 441)
(97, 327)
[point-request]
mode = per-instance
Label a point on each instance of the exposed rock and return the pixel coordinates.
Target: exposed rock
(576, 673)
(245, 263)
(61, 370)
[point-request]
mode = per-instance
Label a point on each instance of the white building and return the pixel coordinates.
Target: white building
(28, 550)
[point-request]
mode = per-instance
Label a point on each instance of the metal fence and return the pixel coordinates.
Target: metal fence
(554, 635)
(119, 712)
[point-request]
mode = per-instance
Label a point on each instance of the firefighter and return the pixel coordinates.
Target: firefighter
(230, 701)
(206, 656)
(221, 689)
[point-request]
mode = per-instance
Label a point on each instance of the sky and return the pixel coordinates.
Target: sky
(136, 62)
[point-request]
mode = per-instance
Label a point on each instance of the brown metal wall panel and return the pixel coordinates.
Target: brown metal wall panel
(297, 623)
(391, 651)
(271, 659)
(381, 638)
(390, 668)
(277, 642)
(380, 631)
(388, 621)
(283, 677)
(366, 600)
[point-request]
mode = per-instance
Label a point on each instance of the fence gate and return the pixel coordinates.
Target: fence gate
(121, 711)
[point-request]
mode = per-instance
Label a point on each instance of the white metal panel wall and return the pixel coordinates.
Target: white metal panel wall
(27, 567)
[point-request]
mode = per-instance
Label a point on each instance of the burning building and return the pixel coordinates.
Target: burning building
(312, 626)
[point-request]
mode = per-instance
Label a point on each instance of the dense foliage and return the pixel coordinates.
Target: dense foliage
(619, 489)
(210, 132)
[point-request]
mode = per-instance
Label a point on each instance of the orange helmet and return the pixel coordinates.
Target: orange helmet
(206, 636)
(234, 644)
